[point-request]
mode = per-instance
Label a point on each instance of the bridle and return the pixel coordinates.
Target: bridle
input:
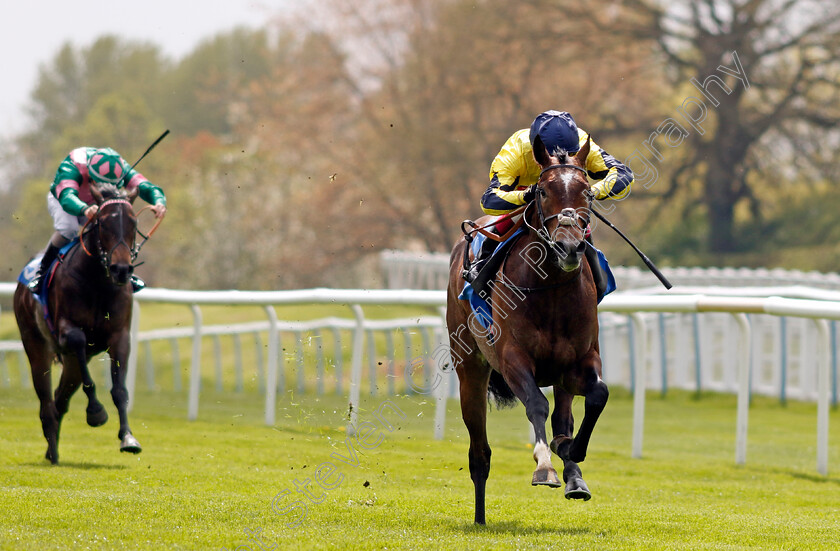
(105, 256)
(566, 217)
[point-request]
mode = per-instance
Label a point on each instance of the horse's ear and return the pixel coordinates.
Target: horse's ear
(96, 193)
(583, 152)
(132, 194)
(541, 153)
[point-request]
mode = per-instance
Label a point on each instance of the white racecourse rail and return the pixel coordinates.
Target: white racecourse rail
(632, 305)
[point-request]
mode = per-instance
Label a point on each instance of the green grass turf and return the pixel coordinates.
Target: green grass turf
(201, 485)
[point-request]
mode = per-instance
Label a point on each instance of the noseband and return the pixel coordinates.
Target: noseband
(105, 256)
(566, 217)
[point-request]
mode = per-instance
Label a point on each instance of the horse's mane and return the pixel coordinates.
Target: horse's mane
(562, 156)
(110, 191)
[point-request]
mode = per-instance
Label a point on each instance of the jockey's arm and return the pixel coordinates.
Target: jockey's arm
(511, 172)
(151, 193)
(71, 203)
(612, 178)
(500, 199)
(147, 191)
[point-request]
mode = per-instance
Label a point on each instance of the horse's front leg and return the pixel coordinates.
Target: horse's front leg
(119, 349)
(73, 339)
(596, 393)
(586, 381)
(519, 374)
(563, 427)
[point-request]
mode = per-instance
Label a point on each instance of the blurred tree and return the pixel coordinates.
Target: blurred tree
(451, 80)
(204, 86)
(786, 54)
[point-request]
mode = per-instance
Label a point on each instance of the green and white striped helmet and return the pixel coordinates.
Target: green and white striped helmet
(105, 166)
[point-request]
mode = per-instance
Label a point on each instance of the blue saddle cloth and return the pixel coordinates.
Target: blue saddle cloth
(481, 308)
(31, 269)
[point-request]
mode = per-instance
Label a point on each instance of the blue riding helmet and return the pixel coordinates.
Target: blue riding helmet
(557, 130)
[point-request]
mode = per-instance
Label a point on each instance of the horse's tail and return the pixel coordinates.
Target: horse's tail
(500, 391)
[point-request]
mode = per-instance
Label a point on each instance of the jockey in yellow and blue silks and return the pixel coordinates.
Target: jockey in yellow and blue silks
(70, 202)
(514, 174)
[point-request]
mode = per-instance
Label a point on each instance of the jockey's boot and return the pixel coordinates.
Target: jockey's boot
(49, 256)
(484, 254)
(137, 284)
(598, 273)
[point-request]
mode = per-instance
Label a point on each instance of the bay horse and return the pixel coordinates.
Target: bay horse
(89, 300)
(544, 333)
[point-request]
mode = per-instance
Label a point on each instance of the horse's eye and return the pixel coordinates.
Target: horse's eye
(542, 191)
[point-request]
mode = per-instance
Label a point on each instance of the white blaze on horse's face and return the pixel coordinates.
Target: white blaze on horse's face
(565, 234)
(567, 179)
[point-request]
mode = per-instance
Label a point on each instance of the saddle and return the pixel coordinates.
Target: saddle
(31, 269)
(497, 257)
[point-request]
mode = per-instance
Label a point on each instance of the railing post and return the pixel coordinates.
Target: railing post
(271, 367)
(356, 368)
(743, 388)
(823, 383)
(639, 382)
(195, 368)
(134, 331)
(217, 362)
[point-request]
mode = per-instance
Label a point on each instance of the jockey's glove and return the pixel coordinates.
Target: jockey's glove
(530, 193)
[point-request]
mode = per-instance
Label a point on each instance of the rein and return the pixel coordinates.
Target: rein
(490, 235)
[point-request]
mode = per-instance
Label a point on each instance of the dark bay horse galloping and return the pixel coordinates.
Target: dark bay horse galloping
(89, 303)
(545, 331)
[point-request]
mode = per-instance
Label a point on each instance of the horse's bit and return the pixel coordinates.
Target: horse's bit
(105, 256)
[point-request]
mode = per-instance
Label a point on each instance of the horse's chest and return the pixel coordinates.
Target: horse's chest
(99, 322)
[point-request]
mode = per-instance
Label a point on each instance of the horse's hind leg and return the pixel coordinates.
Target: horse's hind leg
(562, 426)
(74, 339)
(473, 377)
(119, 354)
(40, 361)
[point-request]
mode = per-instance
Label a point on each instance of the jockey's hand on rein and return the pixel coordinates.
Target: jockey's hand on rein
(91, 211)
(530, 193)
(159, 210)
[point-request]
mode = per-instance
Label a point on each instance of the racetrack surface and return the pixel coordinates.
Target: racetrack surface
(209, 484)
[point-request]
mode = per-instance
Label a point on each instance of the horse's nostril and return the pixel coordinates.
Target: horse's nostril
(121, 271)
(581, 246)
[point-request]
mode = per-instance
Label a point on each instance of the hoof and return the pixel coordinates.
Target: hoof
(130, 444)
(576, 489)
(547, 477)
(51, 457)
(96, 417)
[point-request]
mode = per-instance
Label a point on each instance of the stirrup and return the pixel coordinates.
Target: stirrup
(35, 283)
(471, 274)
(137, 284)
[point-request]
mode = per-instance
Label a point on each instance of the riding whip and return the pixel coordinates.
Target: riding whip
(143, 156)
(645, 259)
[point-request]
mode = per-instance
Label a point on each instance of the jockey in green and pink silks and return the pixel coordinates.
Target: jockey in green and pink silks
(70, 202)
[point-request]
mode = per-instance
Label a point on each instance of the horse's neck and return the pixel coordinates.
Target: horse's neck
(88, 268)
